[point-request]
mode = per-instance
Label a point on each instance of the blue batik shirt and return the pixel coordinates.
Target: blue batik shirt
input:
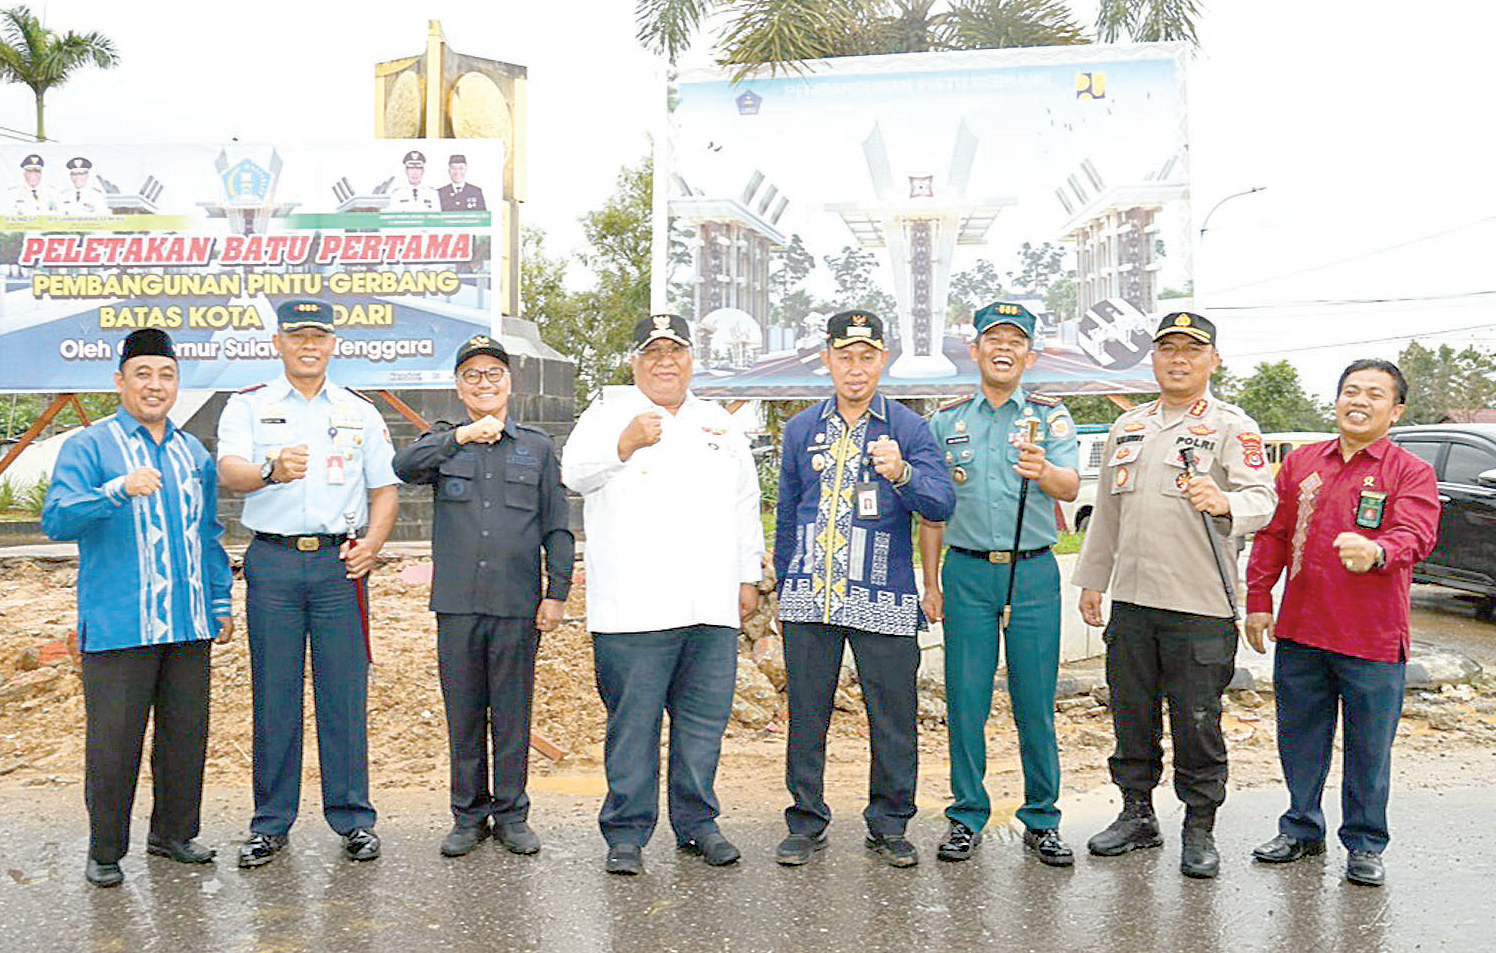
(151, 569)
(834, 565)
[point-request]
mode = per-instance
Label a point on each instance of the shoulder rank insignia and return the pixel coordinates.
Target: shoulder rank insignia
(252, 388)
(955, 402)
(1199, 407)
(1043, 400)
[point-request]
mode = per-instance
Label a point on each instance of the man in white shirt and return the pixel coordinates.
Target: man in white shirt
(674, 555)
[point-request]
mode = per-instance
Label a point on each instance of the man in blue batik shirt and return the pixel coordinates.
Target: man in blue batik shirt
(855, 468)
(140, 497)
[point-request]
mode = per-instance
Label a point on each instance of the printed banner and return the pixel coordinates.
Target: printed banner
(923, 187)
(204, 242)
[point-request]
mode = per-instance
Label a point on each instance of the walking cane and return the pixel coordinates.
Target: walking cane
(1030, 434)
(1188, 457)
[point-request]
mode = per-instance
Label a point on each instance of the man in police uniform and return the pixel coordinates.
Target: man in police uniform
(499, 502)
(313, 460)
(1172, 631)
(988, 448)
(82, 199)
(460, 195)
(31, 197)
(413, 196)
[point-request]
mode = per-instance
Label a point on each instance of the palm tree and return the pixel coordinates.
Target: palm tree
(1145, 21)
(780, 33)
(31, 53)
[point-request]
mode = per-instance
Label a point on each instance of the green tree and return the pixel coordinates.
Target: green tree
(1063, 298)
(974, 288)
(1041, 266)
(1147, 21)
(594, 327)
(1445, 383)
(43, 59)
(855, 287)
(1274, 397)
(782, 33)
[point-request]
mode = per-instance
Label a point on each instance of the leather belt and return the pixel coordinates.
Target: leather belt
(1000, 555)
(310, 543)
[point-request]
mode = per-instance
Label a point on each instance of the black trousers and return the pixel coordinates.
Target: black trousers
(887, 667)
(1153, 655)
(487, 669)
(121, 688)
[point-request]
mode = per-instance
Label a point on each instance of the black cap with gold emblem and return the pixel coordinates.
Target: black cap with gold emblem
(79, 164)
(671, 327)
(855, 327)
(1196, 326)
(480, 344)
(32, 163)
(415, 158)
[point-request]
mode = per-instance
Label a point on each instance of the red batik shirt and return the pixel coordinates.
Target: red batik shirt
(1320, 496)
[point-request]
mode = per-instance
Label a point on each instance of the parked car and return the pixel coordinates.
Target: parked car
(1092, 440)
(1275, 446)
(1464, 458)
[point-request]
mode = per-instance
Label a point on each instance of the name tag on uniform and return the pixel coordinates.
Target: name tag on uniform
(867, 500)
(335, 470)
(1369, 509)
(959, 438)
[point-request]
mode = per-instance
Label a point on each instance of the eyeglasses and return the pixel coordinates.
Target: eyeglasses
(494, 375)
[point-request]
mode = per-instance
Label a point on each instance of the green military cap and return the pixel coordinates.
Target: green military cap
(1005, 312)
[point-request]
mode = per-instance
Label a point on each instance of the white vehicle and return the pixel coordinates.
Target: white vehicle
(1092, 440)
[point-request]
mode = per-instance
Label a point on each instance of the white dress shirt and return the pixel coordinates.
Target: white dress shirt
(673, 532)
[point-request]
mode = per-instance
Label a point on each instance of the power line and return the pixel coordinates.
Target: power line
(1339, 302)
(1386, 340)
(1359, 256)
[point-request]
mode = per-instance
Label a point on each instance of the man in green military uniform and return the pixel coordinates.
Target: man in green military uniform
(994, 442)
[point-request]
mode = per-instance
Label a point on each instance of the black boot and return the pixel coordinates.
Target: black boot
(1199, 857)
(1136, 827)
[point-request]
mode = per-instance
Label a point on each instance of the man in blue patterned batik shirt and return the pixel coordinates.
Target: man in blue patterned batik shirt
(855, 469)
(140, 497)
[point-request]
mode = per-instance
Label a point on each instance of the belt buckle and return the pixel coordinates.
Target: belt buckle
(308, 544)
(999, 556)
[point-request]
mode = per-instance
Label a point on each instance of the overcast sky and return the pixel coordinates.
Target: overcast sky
(1368, 130)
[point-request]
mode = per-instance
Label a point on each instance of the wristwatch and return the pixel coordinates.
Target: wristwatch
(1381, 559)
(267, 471)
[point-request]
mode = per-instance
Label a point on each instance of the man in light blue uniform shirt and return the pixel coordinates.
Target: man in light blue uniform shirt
(314, 462)
(985, 442)
(140, 498)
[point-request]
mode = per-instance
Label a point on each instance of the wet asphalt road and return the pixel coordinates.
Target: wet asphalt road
(846, 900)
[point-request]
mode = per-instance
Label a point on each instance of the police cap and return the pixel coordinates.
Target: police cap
(301, 313)
(1196, 326)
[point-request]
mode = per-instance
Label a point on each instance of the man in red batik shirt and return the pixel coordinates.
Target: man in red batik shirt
(1354, 514)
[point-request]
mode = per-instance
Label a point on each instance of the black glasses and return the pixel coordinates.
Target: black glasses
(494, 375)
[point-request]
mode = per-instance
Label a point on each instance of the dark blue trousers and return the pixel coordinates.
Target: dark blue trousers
(691, 673)
(1314, 686)
(296, 599)
(887, 669)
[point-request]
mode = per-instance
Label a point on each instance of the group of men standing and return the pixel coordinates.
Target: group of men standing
(674, 562)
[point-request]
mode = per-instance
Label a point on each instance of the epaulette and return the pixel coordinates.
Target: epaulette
(955, 402)
(1044, 400)
(252, 388)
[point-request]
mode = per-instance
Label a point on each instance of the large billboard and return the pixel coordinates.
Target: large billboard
(204, 241)
(924, 186)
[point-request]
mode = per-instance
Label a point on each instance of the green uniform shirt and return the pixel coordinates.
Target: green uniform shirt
(977, 442)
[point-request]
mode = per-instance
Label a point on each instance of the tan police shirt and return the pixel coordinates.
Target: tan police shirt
(1145, 542)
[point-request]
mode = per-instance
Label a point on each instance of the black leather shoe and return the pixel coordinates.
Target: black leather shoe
(1050, 847)
(797, 849)
(361, 844)
(1365, 868)
(463, 839)
(1199, 857)
(181, 851)
(1285, 850)
(895, 849)
(517, 838)
(261, 849)
(103, 875)
(713, 848)
(625, 859)
(960, 843)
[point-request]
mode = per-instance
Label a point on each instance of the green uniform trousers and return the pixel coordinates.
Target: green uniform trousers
(974, 593)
